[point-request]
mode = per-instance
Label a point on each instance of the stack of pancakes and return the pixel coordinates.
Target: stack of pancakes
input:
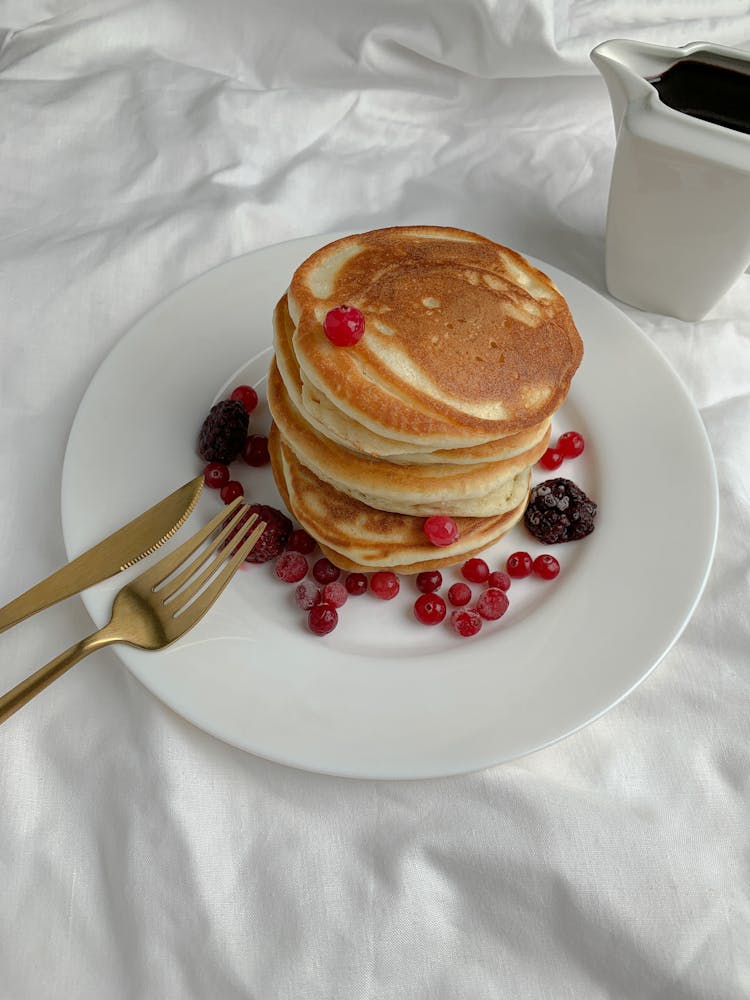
(442, 407)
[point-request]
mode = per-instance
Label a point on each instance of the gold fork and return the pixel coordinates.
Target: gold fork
(161, 604)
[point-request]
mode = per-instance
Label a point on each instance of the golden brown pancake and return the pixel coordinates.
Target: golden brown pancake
(478, 490)
(464, 340)
(355, 536)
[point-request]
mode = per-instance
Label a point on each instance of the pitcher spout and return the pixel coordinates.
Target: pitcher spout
(626, 67)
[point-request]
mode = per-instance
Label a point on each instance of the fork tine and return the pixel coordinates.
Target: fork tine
(193, 584)
(186, 617)
(175, 583)
(158, 573)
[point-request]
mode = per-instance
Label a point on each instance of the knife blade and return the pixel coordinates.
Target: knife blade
(126, 546)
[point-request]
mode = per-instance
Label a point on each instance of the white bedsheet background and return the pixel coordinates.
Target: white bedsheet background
(143, 143)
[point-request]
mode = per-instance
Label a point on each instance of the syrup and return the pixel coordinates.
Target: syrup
(712, 93)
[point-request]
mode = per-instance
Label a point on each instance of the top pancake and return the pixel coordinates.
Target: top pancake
(464, 342)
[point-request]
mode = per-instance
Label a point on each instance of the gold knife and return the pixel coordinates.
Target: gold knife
(139, 538)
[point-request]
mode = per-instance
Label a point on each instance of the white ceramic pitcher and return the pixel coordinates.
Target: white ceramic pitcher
(678, 220)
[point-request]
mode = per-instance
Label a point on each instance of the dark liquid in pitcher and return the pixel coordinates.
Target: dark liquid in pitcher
(713, 93)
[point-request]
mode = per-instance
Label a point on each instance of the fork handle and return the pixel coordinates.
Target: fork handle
(41, 678)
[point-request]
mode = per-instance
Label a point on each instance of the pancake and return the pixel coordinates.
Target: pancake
(343, 430)
(465, 342)
(477, 490)
(356, 536)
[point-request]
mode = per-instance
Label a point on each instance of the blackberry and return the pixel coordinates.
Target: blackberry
(224, 432)
(559, 511)
(275, 536)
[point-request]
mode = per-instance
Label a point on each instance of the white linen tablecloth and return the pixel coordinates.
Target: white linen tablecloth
(142, 143)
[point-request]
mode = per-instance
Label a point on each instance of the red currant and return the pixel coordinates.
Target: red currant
(216, 475)
(547, 567)
(571, 444)
(519, 565)
(385, 585)
(429, 580)
(492, 604)
(334, 594)
(429, 609)
(322, 619)
(307, 595)
(551, 459)
(475, 570)
(300, 541)
(255, 451)
(246, 395)
(290, 567)
(499, 579)
(459, 594)
(441, 529)
(356, 584)
(344, 325)
(325, 572)
(466, 623)
(231, 490)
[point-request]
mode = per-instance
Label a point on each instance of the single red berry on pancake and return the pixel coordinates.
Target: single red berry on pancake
(344, 326)
(441, 529)
(255, 451)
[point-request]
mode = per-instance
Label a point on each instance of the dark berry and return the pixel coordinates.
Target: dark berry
(429, 580)
(441, 529)
(255, 451)
(274, 538)
(300, 541)
(290, 567)
(231, 490)
(459, 594)
(322, 619)
(222, 436)
(356, 584)
(559, 511)
(325, 572)
(519, 565)
(499, 579)
(385, 585)
(492, 604)
(429, 609)
(551, 459)
(344, 325)
(475, 570)
(547, 567)
(246, 395)
(466, 622)
(216, 475)
(571, 444)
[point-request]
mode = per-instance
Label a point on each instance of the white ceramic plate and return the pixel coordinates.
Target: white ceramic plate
(382, 696)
